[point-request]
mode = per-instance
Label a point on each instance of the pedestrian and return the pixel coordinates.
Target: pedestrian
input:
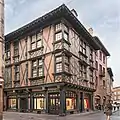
(108, 110)
(114, 107)
(118, 107)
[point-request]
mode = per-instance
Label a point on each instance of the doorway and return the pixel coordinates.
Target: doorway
(54, 103)
(23, 104)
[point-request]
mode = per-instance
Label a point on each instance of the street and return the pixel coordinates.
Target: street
(31, 116)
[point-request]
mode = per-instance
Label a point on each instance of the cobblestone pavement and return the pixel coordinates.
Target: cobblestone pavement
(30, 116)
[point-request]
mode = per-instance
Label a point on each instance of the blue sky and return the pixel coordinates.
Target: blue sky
(102, 15)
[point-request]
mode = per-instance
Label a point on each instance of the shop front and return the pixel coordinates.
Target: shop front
(97, 102)
(54, 100)
(11, 102)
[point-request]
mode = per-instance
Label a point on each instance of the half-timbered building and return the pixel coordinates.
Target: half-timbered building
(50, 65)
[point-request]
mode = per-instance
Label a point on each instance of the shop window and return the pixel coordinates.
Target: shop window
(39, 103)
(70, 100)
(11, 103)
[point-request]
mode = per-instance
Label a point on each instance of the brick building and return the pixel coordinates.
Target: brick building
(101, 74)
(110, 81)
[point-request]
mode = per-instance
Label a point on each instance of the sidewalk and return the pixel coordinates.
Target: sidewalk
(86, 113)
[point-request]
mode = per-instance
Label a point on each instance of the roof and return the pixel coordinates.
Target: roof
(47, 19)
(102, 47)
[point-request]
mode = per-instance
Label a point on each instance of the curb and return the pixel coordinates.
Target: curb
(115, 111)
(86, 113)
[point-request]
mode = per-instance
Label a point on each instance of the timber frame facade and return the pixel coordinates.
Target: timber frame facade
(50, 65)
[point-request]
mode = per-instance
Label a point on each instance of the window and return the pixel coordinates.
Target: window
(66, 36)
(96, 53)
(91, 54)
(39, 101)
(103, 70)
(58, 36)
(83, 71)
(7, 49)
(70, 100)
(104, 59)
(119, 97)
(17, 73)
(59, 59)
(91, 75)
(96, 64)
(66, 46)
(37, 68)
(58, 27)
(66, 59)
(100, 68)
(82, 47)
(11, 103)
(100, 55)
(36, 41)
(103, 83)
(58, 62)
(58, 67)
(65, 28)
(16, 48)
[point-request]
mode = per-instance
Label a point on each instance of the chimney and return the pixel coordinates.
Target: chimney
(90, 30)
(74, 12)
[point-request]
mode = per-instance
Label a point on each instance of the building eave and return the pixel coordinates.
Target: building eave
(102, 47)
(110, 71)
(58, 13)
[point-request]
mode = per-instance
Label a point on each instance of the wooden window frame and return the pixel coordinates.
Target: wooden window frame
(37, 67)
(17, 71)
(36, 40)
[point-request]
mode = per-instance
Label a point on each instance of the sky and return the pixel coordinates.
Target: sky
(102, 15)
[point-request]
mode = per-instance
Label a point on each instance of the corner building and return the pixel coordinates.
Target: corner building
(50, 65)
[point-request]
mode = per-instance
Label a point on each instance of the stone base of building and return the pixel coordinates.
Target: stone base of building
(59, 99)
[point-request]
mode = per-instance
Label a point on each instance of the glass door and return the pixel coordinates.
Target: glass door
(54, 103)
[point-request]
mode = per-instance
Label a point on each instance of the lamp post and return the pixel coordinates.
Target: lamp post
(1, 56)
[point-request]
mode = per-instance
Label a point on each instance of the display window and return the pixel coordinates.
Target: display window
(86, 104)
(39, 101)
(11, 103)
(70, 100)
